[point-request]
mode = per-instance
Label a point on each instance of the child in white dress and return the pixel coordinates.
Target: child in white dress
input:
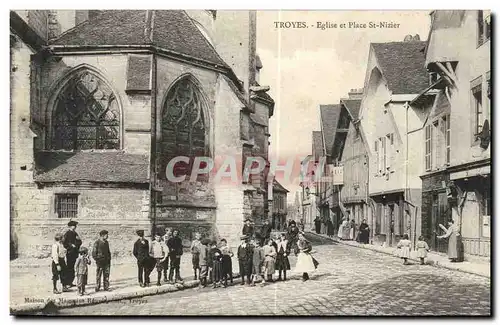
(405, 245)
(422, 249)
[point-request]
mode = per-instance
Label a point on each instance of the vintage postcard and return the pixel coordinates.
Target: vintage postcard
(250, 163)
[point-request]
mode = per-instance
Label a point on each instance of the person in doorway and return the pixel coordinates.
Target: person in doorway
(452, 233)
(422, 249)
(141, 253)
(364, 232)
(305, 262)
(72, 243)
(404, 246)
(317, 224)
(58, 264)
(102, 257)
(175, 250)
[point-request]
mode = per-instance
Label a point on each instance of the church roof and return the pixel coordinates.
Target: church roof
(100, 167)
(403, 66)
(171, 30)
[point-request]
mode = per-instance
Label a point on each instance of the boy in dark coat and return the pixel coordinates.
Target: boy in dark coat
(102, 257)
(175, 249)
(141, 253)
(215, 264)
(248, 229)
(245, 255)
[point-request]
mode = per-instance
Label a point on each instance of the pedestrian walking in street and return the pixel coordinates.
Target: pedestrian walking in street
(204, 262)
(453, 234)
(364, 232)
(282, 262)
(158, 251)
(422, 249)
(215, 265)
(269, 260)
(102, 258)
(404, 246)
(245, 255)
(82, 270)
(141, 253)
(72, 243)
(305, 262)
(167, 262)
(58, 264)
(345, 227)
(300, 225)
(175, 252)
(317, 224)
(329, 227)
(195, 252)
(248, 229)
(257, 262)
(227, 263)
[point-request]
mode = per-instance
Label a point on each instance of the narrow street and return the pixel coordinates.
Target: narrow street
(349, 281)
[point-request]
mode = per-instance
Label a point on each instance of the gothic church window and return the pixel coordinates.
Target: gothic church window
(86, 115)
(183, 126)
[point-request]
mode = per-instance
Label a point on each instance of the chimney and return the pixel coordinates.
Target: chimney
(356, 93)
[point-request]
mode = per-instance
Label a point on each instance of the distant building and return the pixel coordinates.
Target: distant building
(280, 206)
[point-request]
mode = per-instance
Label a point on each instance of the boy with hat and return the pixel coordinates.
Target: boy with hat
(102, 257)
(195, 251)
(204, 262)
(141, 253)
(72, 243)
(245, 256)
(247, 228)
(82, 270)
(58, 263)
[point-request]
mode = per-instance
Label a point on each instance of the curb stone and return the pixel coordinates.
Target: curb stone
(430, 263)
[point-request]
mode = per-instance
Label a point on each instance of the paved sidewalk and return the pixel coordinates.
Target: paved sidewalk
(473, 264)
(31, 284)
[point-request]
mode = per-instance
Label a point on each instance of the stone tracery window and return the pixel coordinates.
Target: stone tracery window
(86, 115)
(183, 125)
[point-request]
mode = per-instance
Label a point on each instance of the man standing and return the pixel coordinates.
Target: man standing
(317, 224)
(175, 252)
(245, 256)
(141, 253)
(248, 229)
(102, 257)
(72, 243)
(265, 231)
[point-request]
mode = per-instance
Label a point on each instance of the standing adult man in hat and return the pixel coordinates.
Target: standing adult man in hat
(141, 253)
(72, 242)
(248, 228)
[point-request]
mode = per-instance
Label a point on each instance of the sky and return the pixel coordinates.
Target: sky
(306, 67)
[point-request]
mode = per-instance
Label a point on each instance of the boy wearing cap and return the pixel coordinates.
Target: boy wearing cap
(58, 263)
(245, 256)
(141, 253)
(102, 257)
(195, 251)
(72, 243)
(82, 269)
(204, 262)
(158, 251)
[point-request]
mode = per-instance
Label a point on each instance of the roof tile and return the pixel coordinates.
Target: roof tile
(329, 120)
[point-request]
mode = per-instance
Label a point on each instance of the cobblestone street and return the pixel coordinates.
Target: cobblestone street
(349, 281)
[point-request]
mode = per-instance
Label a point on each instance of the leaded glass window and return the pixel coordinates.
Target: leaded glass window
(183, 125)
(86, 115)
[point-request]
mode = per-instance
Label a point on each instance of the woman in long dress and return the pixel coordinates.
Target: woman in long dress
(364, 232)
(452, 233)
(345, 229)
(292, 234)
(305, 262)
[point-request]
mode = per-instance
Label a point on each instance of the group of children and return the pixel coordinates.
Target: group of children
(101, 255)
(405, 247)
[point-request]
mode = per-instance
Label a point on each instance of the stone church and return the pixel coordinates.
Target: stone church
(101, 100)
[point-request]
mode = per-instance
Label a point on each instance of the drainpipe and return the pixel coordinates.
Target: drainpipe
(153, 160)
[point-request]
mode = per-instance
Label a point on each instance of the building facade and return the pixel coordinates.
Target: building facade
(457, 159)
(114, 96)
(392, 128)
(280, 207)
